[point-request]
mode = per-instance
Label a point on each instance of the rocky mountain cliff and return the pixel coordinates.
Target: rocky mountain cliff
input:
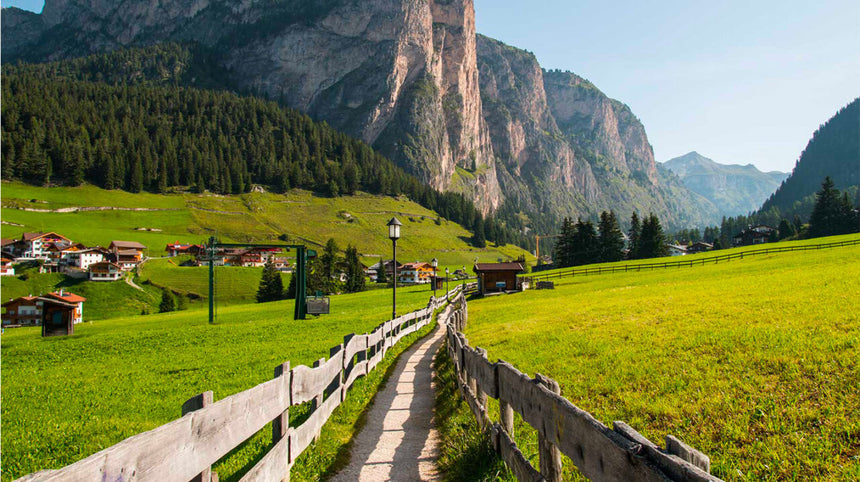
(733, 189)
(410, 77)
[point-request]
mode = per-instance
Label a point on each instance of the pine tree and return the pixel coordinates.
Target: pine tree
(611, 239)
(478, 239)
(271, 285)
(832, 213)
(633, 237)
(354, 271)
(562, 257)
(381, 276)
(585, 247)
(786, 229)
(168, 303)
(652, 241)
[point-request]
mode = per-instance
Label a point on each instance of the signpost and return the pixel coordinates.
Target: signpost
(301, 273)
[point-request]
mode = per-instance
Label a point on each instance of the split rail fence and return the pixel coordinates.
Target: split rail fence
(684, 263)
(600, 453)
(186, 448)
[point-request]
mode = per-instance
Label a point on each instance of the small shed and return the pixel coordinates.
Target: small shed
(443, 282)
(57, 317)
(497, 277)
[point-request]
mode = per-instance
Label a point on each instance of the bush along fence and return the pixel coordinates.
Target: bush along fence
(534, 279)
(600, 453)
(186, 448)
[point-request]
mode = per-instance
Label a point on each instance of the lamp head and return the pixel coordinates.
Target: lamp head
(434, 262)
(394, 229)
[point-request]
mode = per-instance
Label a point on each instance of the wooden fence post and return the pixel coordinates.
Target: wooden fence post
(347, 364)
(317, 401)
(193, 404)
(479, 392)
(282, 422)
(336, 351)
(550, 455)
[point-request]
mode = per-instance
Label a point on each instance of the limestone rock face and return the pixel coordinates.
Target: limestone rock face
(412, 78)
(541, 170)
(604, 125)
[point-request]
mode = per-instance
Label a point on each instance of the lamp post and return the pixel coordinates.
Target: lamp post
(447, 278)
(435, 263)
(394, 235)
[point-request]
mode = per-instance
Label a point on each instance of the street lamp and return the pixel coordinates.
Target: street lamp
(435, 263)
(447, 290)
(394, 235)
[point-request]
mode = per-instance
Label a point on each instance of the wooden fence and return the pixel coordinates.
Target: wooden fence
(186, 448)
(684, 263)
(600, 453)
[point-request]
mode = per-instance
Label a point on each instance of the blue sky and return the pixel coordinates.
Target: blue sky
(738, 81)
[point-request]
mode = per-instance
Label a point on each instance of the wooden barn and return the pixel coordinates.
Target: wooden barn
(497, 277)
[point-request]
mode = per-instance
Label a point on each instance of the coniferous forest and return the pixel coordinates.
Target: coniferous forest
(73, 122)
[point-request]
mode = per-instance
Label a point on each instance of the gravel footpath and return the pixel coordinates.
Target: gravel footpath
(399, 441)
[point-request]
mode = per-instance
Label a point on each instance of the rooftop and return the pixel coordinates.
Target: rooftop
(514, 266)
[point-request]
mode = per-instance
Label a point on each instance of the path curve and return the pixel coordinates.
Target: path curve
(399, 441)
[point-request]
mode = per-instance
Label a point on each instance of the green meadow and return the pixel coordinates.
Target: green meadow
(304, 217)
(65, 398)
(755, 362)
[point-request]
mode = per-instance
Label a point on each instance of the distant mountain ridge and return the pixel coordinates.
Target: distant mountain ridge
(411, 78)
(732, 188)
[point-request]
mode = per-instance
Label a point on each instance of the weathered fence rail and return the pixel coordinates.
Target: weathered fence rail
(627, 268)
(186, 448)
(600, 453)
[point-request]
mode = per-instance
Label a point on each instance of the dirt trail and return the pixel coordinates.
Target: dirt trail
(399, 441)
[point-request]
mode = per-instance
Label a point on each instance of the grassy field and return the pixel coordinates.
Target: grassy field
(755, 362)
(123, 376)
(256, 217)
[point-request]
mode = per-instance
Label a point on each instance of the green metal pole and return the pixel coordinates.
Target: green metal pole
(212, 280)
(301, 283)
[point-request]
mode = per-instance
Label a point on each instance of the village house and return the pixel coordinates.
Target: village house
(127, 254)
(759, 234)
(415, 273)
(676, 249)
(23, 311)
(105, 271)
(389, 270)
(177, 249)
(84, 258)
(8, 247)
(699, 247)
(33, 245)
(30, 310)
(282, 264)
(6, 268)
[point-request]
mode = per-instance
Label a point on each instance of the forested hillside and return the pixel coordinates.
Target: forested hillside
(133, 127)
(834, 151)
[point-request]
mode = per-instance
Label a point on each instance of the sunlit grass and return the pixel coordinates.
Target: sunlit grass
(755, 362)
(65, 398)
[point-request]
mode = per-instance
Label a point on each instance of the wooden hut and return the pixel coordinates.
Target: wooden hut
(58, 317)
(497, 277)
